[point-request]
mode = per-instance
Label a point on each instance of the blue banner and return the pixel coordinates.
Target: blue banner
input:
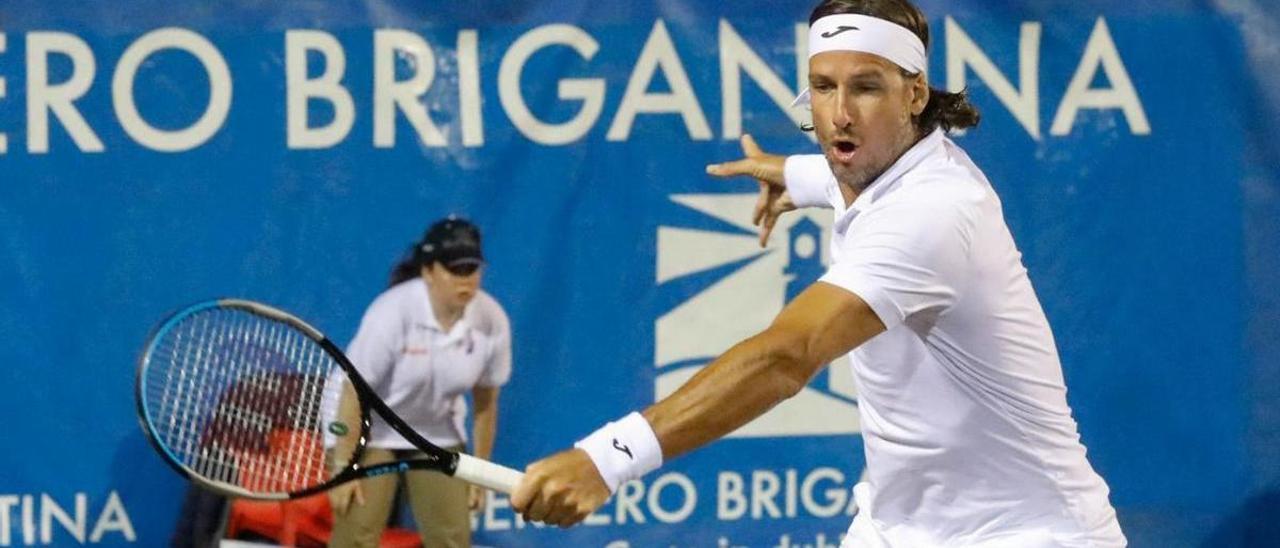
(153, 154)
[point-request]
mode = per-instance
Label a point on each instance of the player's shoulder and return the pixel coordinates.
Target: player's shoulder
(947, 181)
(941, 193)
(393, 302)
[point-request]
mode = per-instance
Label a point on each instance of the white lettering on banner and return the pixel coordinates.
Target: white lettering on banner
(589, 90)
(1101, 51)
(4, 139)
(50, 510)
(28, 521)
(112, 521)
(731, 498)
(672, 497)
(837, 497)
(820, 541)
(765, 487)
(966, 62)
(627, 508)
(659, 53)
(963, 52)
(689, 493)
(113, 518)
(219, 90)
(6, 502)
(469, 101)
(300, 90)
(732, 501)
(44, 97)
(391, 95)
(737, 57)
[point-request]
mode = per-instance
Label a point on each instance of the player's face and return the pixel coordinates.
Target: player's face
(862, 109)
(453, 287)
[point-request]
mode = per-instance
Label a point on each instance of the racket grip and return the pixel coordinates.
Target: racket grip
(487, 474)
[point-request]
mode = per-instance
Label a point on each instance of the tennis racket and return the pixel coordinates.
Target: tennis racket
(243, 399)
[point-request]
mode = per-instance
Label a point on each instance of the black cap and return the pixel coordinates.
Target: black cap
(451, 241)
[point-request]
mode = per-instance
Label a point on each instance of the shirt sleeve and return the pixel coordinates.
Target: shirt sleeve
(377, 343)
(497, 369)
(809, 180)
(908, 257)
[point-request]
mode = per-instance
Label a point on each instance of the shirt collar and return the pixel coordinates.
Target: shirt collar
(463, 323)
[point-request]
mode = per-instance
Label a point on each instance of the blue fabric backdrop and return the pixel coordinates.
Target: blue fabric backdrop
(1144, 197)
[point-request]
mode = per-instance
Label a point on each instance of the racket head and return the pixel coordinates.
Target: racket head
(239, 396)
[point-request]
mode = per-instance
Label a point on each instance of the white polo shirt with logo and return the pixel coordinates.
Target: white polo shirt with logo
(968, 437)
(423, 371)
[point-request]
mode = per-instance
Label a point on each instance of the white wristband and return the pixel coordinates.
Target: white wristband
(623, 450)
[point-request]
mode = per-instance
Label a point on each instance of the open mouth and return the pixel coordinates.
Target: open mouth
(843, 150)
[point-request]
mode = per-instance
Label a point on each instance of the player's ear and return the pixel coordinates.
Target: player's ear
(919, 94)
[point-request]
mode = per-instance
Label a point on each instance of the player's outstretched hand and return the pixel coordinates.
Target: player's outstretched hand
(562, 489)
(767, 170)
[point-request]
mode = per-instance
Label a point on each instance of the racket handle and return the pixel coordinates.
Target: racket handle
(487, 474)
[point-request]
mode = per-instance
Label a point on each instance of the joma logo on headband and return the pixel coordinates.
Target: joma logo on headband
(839, 29)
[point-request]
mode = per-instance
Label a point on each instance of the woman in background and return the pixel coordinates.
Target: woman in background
(426, 341)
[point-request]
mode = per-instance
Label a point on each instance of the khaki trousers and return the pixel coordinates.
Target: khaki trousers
(439, 506)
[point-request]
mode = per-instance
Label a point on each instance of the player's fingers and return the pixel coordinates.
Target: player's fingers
(745, 166)
(537, 509)
(783, 203)
(749, 146)
(762, 205)
(523, 495)
(767, 228)
(560, 510)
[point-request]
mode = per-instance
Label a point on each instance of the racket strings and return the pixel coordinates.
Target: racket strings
(237, 398)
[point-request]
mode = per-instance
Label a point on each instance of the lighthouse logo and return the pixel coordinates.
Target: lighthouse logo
(723, 287)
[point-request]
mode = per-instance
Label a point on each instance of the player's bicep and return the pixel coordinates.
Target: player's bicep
(826, 321)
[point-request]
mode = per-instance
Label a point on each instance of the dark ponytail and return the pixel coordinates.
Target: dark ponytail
(945, 109)
(949, 111)
(409, 267)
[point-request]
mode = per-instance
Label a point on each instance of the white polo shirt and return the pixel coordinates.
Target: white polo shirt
(968, 437)
(423, 371)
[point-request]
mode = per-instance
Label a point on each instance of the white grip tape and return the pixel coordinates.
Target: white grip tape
(487, 474)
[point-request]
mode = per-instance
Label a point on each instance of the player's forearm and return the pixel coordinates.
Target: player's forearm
(754, 376)
(485, 427)
(484, 430)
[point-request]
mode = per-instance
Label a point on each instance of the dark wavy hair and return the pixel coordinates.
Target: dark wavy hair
(945, 109)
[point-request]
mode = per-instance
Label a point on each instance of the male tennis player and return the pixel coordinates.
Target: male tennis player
(968, 437)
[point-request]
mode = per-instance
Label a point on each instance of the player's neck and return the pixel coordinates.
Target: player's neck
(447, 316)
(851, 192)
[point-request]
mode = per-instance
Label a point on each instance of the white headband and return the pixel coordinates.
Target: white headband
(851, 32)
